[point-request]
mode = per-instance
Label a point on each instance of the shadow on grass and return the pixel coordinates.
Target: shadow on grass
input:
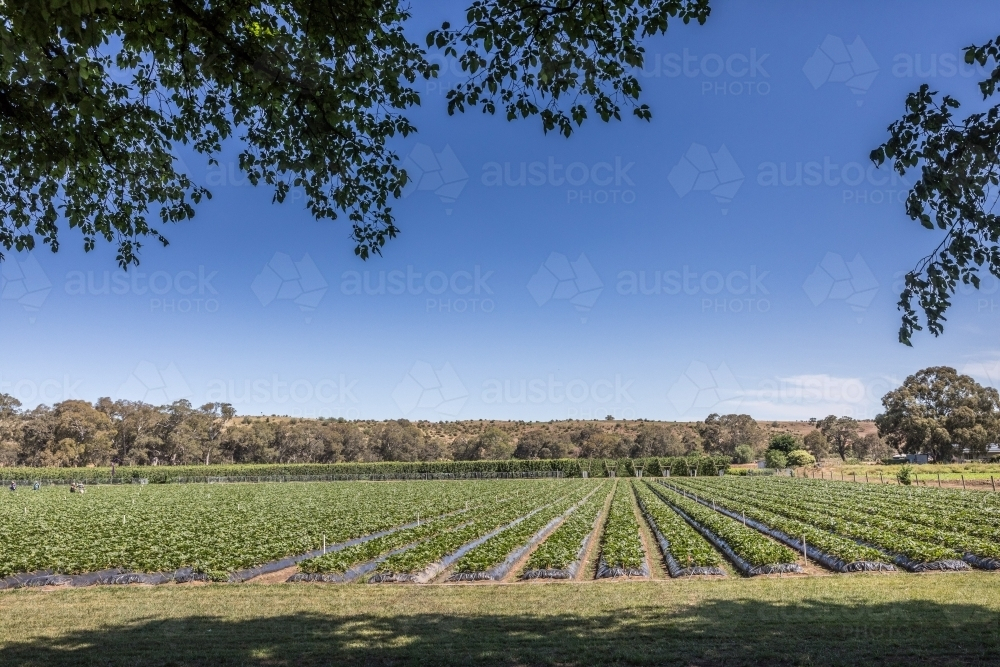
(731, 632)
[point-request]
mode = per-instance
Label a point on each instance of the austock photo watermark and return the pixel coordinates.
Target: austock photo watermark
(582, 398)
(856, 183)
(32, 391)
(602, 182)
(740, 291)
(168, 292)
(296, 397)
(445, 292)
(738, 74)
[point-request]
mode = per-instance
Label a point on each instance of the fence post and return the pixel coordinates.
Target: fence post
(993, 483)
(963, 482)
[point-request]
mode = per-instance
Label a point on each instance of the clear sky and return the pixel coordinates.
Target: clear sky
(738, 253)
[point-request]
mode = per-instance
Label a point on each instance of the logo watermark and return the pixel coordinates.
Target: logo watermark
(24, 282)
(562, 280)
(836, 62)
(836, 280)
(440, 173)
(704, 387)
(423, 388)
(702, 171)
(157, 386)
(283, 279)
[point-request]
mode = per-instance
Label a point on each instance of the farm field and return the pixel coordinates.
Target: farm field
(422, 532)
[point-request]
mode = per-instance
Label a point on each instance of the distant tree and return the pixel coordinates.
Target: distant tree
(82, 435)
(137, 429)
(873, 448)
(815, 442)
(494, 444)
(593, 443)
(540, 444)
(253, 442)
(841, 433)
(744, 454)
(784, 442)
(398, 440)
(723, 434)
(11, 435)
(775, 458)
(936, 410)
(657, 440)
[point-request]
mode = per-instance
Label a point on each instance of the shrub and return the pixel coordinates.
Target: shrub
(744, 454)
(775, 458)
(904, 475)
(800, 457)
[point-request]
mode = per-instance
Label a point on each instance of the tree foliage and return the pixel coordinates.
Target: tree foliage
(723, 434)
(784, 442)
(937, 409)
(956, 191)
(96, 97)
(841, 434)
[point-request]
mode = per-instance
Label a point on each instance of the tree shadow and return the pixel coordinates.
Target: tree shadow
(717, 632)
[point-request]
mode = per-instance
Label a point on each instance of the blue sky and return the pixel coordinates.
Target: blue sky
(739, 253)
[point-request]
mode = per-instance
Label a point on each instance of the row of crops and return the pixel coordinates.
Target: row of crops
(495, 530)
(675, 466)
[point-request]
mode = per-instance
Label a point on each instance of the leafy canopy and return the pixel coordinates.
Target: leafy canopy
(97, 95)
(936, 409)
(957, 191)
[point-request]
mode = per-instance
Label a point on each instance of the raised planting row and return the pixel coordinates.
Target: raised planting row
(559, 556)
(833, 551)
(219, 529)
(685, 551)
(915, 546)
(621, 547)
(425, 560)
(750, 552)
(356, 560)
(493, 558)
(961, 512)
(909, 546)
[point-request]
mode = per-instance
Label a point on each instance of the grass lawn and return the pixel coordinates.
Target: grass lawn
(846, 619)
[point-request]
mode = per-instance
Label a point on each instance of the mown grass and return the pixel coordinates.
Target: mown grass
(841, 620)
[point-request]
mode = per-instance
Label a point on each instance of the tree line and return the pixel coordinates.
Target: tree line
(935, 411)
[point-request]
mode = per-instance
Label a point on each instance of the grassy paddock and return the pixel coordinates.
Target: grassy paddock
(927, 474)
(885, 619)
